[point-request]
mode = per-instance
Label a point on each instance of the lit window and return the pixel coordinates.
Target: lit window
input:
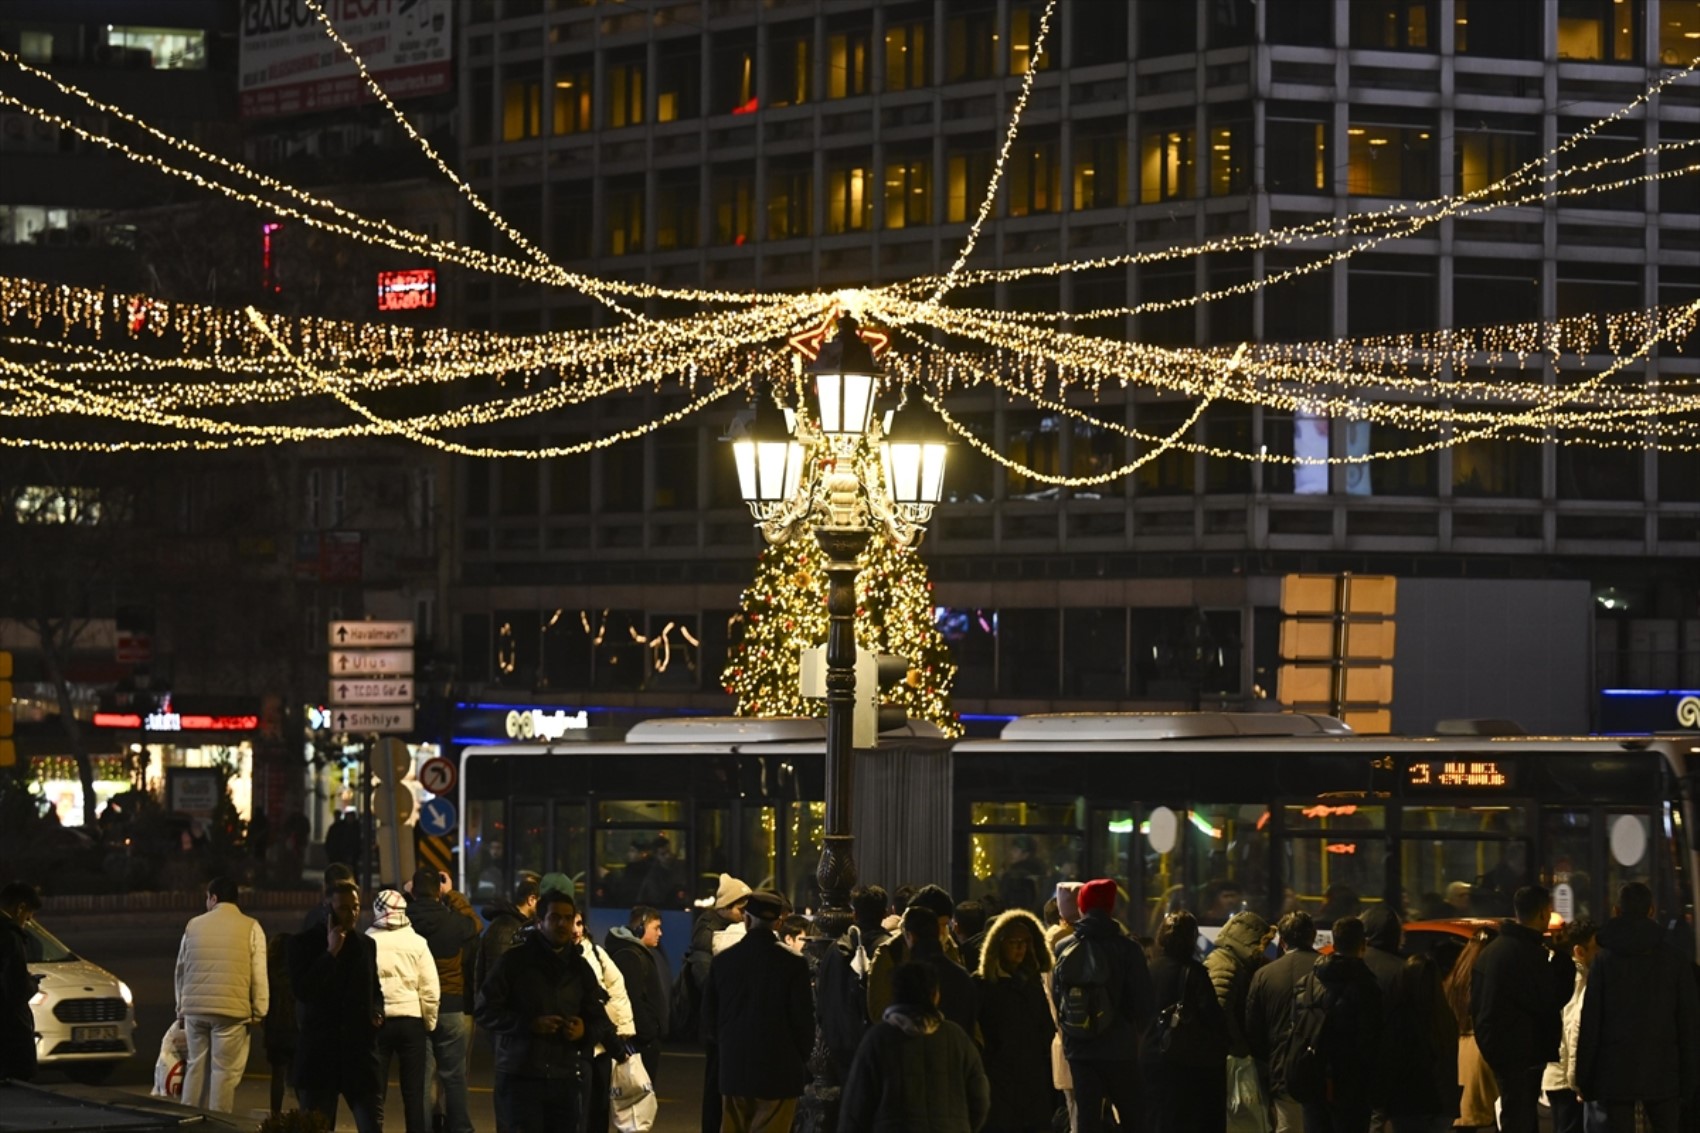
(1165, 165)
(166, 49)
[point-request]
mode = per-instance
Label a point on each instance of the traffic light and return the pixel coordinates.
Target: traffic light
(8, 746)
(875, 674)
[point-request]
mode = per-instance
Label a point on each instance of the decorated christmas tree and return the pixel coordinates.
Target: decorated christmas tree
(785, 613)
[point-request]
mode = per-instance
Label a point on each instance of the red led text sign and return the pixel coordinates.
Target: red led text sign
(407, 290)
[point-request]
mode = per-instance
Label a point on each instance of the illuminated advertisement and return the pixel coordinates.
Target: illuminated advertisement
(290, 65)
(407, 290)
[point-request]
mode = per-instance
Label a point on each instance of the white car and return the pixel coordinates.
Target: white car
(85, 1017)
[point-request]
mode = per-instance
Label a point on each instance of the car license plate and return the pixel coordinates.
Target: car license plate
(94, 1034)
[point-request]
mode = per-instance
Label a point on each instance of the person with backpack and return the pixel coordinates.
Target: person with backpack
(1337, 1027)
(841, 990)
(1187, 1044)
(1101, 989)
(1269, 1013)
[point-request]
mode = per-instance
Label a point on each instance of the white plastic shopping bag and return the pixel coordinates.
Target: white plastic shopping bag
(168, 1070)
(632, 1097)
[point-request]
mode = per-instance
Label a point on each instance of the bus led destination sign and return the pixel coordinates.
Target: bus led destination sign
(1466, 774)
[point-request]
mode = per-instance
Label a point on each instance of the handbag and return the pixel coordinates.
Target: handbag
(631, 1097)
(1247, 1111)
(1181, 1038)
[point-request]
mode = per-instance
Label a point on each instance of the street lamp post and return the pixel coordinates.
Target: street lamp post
(851, 476)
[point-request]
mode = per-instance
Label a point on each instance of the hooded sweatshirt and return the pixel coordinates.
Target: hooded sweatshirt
(406, 971)
(915, 1070)
(1640, 1032)
(1238, 953)
(1385, 934)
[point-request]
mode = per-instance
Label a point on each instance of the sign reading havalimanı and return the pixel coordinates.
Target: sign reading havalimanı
(289, 65)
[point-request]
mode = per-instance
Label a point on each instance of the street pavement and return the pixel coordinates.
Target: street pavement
(141, 949)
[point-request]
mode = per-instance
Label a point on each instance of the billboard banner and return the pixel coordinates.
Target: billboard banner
(290, 66)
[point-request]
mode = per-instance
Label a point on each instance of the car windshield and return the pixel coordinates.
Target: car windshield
(44, 947)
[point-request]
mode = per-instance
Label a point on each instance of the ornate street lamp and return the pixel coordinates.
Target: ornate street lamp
(843, 473)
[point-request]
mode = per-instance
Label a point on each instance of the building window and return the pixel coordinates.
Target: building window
(1616, 140)
(970, 37)
(1023, 30)
(967, 174)
(1098, 34)
(678, 80)
(734, 207)
(1100, 167)
(906, 56)
(908, 192)
(1495, 292)
(517, 492)
(788, 76)
(849, 195)
(1230, 152)
(622, 477)
(1598, 29)
(1491, 151)
(1297, 151)
(1167, 29)
(846, 64)
(1035, 178)
(569, 480)
(1309, 23)
(1035, 442)
(1509, 29)
(1496, 467)
(677, 195)
(1389, 161)
(623, 204)
(1389, 294)
(1166, 164)
(1393, 25)
(1679, 31)
(572, 99)
(676, 473)
(163, 49)
(522, 108)
(1172, 472)
(732, 74)
(790, 200)
(570, 220)
(625, 92)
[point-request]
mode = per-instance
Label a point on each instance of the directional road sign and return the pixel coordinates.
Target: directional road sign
(370, 635)
(369, 691)
(437, 776)
(437, 817)
(371, 662)
(372, 719)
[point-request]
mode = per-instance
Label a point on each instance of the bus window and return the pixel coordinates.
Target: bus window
(569, 843)
(805, 823)
(1336, 875)
(1110, 835)
(1567, 841)
(1211, 860)
(758, 846)
(1461, 861)
(1019, 851)
(528, 838)
(486, 864)
(640, 867)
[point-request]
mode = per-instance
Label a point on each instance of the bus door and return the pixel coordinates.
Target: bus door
(1464, 857)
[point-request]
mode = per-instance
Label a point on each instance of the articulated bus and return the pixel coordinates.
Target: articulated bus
(1209, 811)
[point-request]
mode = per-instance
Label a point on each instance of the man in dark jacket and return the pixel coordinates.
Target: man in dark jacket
(841, 984)
(1106, 1066)
(958, 999)
(968, 929)
(894, 951)
(1517, 1003)
(333, 973)
(632, 947)
(1386, 937)
(446, 920)
(757, 1009)
(545, 1007)
(503, 922)
(315, 918)
(917, 1069)
(1351, 1032)
(18, 904)
(1269, 1013)
(1640, 1035)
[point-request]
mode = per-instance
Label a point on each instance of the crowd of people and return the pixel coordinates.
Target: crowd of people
(932, 1015)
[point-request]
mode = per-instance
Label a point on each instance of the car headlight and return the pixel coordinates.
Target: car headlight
(38, 999)
(129, 997)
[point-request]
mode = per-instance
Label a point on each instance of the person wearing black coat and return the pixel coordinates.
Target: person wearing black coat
(1105, 1067)
(1640, 1033)
(544, 1005)
(1517, 997)
(923, 940)
(758, 1009)
(503, 922)
(916, 1070)
(1016, 1023)
(1269, 1013)
(333, 973)
(1186, 1087)
(1417, 1087)
(632, 948)
(1350, 1041)
(19, 901)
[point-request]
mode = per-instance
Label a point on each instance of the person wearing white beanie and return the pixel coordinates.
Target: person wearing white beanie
(730, 897)
(408, 976)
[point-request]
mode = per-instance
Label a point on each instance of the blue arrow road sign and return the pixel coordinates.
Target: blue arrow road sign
(437, 817)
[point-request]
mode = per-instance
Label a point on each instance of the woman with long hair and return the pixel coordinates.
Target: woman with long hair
(1016, 1024)
(1475, 1077)
(1186, 1085)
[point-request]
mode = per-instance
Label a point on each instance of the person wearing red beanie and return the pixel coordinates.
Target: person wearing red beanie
(1101, 990)
(1098, 896)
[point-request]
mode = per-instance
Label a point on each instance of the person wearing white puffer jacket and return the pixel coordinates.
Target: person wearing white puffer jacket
(408, 976)
(221, 988)
(619, 1008)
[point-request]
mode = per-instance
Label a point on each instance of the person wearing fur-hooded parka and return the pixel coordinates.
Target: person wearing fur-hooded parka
(1238, 953)
(1016, 1023)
